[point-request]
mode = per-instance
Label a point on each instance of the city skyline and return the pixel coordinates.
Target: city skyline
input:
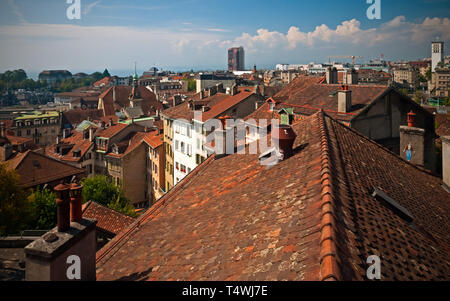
(196, 34)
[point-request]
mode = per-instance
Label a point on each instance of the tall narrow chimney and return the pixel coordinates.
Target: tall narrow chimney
(67, 252)
(446, 162)
(75, 203)
(344, 100)
(63, 203)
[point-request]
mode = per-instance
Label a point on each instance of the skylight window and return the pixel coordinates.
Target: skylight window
(392, 204)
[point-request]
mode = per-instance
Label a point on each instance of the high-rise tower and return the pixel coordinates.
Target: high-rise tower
(236, 59)
(437, 54)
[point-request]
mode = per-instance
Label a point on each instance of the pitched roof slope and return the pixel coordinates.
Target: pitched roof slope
(310, 217)
(35, 169)
(182, 111)
(149, 103)
(78, 144)
(108, 220)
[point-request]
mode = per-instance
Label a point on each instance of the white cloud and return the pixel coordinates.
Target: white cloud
(42, 46)
(348, 32)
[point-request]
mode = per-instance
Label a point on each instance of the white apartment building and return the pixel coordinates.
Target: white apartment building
(183, 154)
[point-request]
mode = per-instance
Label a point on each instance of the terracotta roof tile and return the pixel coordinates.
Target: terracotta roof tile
(77, 142)
(442, 124)
(310, 217)
(108, 220)
(154, 140)
(149, 103)
(112, 130)
(182, 111)
(36, 169)
(223, 105)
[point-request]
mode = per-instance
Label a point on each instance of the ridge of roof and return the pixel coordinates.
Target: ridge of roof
(328, 264)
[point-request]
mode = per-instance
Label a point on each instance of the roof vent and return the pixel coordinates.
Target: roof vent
(392, 204)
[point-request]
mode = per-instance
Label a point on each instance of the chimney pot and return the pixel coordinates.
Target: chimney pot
(63, 203)
(75, 203)
(284, 136)
(411, 119)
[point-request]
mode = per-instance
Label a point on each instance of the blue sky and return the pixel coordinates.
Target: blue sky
(185, 34)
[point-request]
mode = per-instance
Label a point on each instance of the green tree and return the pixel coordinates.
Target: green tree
(44, 209)
(96, 76)
(106, 73)
(418, 97)
(422, 78)
(192, 85)
(123, 206)
(100, 190)
(404, 92)
(15, 209)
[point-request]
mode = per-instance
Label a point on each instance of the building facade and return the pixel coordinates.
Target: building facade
(408, 77)
(42, 127)
(440, 82)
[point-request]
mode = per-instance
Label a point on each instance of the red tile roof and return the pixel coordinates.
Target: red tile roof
(182, 111)
(77, 143)
(153, 139)
(307, 95)
(442, 124)
(36, 169)
(224, 105)
(310, 217)
(111, 131)
(103, 82)
(149, 103)
(78, 116)
(108, 220)
(297, 85)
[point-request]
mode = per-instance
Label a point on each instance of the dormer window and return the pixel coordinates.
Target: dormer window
(116, 149)
(77, 153)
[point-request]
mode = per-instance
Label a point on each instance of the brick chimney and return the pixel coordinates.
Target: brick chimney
(412, 141)
(344, 100)
(446, 162)
(67, 252)
(283, 136)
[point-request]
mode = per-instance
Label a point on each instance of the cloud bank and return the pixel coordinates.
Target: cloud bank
(43, 46)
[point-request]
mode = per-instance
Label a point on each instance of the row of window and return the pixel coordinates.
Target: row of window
(183, 129)
(184, 148)
(36, 122)
(36, 132)
(182, 168)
